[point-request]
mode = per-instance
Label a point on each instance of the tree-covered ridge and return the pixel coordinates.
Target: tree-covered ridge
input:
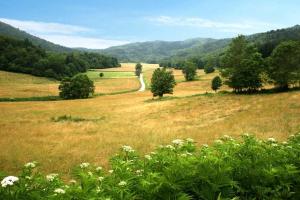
(23, 56)
(204, 49)
(7, 30)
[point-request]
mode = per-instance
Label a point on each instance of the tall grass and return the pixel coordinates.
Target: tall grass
(247, 168)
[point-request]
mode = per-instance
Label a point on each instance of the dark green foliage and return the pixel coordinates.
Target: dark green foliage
(24, 57)
(98, 61)
(242, 66)
(138, 69)
(162, 82)
(101, 74)
(284, 65)
(246, 169)
(216, 83)
(77, 87)
(190, 71)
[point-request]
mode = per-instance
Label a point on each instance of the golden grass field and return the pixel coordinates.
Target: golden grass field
(28, 134)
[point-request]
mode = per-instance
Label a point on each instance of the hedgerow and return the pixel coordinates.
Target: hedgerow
(246, 168)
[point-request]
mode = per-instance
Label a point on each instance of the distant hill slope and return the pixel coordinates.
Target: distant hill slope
(153, 51)
(10, 31)
(159, 50)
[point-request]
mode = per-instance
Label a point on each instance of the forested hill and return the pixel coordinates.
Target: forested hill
(153, 51)
(10, 31)
(203, 48)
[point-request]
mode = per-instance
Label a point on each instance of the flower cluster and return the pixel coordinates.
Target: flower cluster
(9, 181)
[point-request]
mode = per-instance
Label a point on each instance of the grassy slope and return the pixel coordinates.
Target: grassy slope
(28, 133)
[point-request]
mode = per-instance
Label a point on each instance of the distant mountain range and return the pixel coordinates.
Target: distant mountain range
(8, 30)
(156, 51)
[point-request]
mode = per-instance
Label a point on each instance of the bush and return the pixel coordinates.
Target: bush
(162, 82)
(77, 87)
(209, 69)
(228, 169)
(216, 83)
(138, 69)
(101, 74)
(190, 71)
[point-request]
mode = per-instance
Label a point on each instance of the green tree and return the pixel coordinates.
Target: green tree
(284, 64)
(216, 83)
(101, 74)
(138, 69)
(77, 87)
(242, 66)
(162, 82)
(190, 71)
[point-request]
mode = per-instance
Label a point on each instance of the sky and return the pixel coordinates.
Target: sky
(99, 24)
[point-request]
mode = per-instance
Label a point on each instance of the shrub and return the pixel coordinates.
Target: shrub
(209, 69)
(216, 83)
(248, 168)
(190, 71)
(138, 69)
(77, 87)
(101, 74)
(162, 82)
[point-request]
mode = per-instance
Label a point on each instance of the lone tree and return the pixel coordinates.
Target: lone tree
(77, 87)
(242, 66)
(284, 64)
(138, 69)
(101, 74)
(216, 83)
(190, 71)
(162, 82)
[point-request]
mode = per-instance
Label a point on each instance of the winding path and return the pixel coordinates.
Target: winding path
(143, 87)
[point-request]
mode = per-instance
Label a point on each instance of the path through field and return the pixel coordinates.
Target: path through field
(142, 89)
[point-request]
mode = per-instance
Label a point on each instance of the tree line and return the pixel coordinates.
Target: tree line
(22, 56)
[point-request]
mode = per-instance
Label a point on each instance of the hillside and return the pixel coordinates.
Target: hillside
(154, 51)
(7, 30)
(158, 50)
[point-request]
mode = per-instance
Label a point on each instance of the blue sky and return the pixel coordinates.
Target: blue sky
(104, 23)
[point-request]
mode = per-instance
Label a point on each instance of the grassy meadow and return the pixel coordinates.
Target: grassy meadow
(28, 134)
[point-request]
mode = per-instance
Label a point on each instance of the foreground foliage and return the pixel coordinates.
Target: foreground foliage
(229, 169)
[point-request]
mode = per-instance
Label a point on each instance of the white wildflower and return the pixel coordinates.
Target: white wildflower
(148, 157)
(122, 183)
(59, 191)
(284, 143)
(9, 180)
(51, 177)
(90, 173)
(127, 148)
(28, 177)
(271, 140)
(72, 181)
(30, 165)
(153, 153)
(139, 171)
(218, 141)
(100, 178)
(178, 142)
(98, 190)
(84, 165)
(205, 145)
(190, 140)
(170, 147)
(98, 169)
(110, 171)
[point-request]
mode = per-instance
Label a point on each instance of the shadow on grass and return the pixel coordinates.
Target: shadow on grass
(19, 99)
(69, 118)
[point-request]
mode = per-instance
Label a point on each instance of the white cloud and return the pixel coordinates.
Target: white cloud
(45, 27)
(196, 22)
(80, 41)
(63, 34)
